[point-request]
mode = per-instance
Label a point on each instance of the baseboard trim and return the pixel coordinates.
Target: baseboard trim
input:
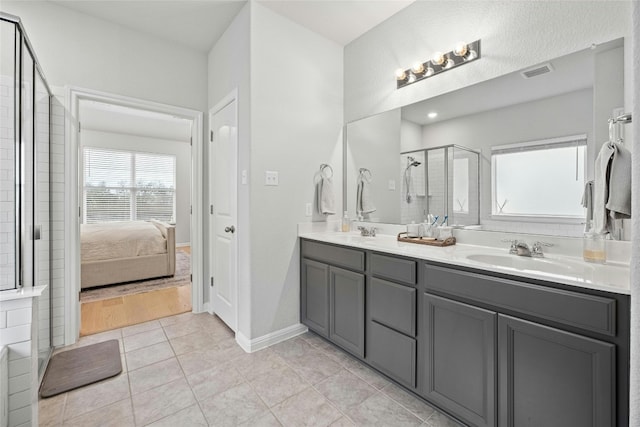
(252, 345)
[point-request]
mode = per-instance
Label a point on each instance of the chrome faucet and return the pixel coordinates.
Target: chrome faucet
(522, 249)
(536, 249)
(513, 249)
(367, 231)
(518, 248)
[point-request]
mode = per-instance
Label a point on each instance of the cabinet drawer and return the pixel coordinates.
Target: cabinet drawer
(400, 270)
(392, 353)
(393, 305)
(335, 255)
(588, 312)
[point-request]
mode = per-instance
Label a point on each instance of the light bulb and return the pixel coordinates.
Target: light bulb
(461, 49)
(450, 63)
(438, 58)
(401, 74)
(472, 54)
(430, 71)
(412, 77)
(432, 115)
(418, 68)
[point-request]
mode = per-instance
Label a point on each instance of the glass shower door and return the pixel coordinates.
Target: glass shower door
(42, 229)
(27, 168)
(8, 211)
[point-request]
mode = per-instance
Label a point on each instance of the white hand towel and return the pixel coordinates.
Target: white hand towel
(326, 199)
(365, 205)
(587, 202)
(601, 188)
(612, 187)
(619, 200)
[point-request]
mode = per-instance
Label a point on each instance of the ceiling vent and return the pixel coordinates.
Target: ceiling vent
(537, 71)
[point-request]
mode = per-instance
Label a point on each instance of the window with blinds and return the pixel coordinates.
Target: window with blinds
(539, 178)
(127, 185)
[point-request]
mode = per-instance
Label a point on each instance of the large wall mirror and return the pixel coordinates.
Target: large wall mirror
(535, 134)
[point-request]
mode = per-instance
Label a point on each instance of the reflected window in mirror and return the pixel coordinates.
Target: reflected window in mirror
(539, 179)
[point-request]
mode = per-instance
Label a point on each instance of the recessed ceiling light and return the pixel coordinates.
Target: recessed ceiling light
(432, 115)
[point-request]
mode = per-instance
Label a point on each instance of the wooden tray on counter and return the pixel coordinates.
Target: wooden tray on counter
(402, 237)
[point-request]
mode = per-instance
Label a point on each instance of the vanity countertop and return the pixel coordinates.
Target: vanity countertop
(609, 277)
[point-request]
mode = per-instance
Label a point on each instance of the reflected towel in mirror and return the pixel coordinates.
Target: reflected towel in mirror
(364, 205)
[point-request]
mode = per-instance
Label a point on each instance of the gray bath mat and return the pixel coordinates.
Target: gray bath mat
(81, 366)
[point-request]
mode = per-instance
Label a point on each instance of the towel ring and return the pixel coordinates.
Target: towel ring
(366, 174)
(324, 166)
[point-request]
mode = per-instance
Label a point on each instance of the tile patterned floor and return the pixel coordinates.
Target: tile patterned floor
(187, 370)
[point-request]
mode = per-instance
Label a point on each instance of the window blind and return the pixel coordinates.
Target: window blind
(127, 185)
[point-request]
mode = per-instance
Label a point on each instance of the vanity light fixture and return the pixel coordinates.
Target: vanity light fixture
(439, 62)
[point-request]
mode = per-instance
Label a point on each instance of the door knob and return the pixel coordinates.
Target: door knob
(231, 229)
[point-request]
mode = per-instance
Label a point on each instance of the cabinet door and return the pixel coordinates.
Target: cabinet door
(314, 296)
(460, 361)
(550, 377)
(347, 309)
(393, 353)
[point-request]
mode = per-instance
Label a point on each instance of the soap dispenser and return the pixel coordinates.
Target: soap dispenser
(594, 246)
(346, 225)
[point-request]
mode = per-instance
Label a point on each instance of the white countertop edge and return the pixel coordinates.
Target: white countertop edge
(13, 294)
(456, 255)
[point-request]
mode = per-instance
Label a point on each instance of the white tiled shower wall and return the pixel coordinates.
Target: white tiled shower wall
(57, 214)
(7, 168)
(16, 318)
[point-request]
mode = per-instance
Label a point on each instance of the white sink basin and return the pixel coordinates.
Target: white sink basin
(551, 266)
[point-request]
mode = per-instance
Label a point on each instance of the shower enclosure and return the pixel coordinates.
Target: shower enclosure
(25, 220)
(442, 181)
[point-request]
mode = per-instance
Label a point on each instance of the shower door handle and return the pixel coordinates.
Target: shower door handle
(230, 229)
(37, 232)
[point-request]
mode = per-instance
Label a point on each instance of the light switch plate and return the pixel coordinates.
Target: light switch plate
(271, 178)
(307, 209)
(243, 176)
(392, 184)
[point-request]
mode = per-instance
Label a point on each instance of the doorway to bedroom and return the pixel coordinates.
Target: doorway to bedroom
(134, 193)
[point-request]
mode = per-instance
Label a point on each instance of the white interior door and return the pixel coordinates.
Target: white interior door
(223, 250)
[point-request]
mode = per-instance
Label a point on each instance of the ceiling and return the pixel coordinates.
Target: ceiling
(198, 24)
(340, 21)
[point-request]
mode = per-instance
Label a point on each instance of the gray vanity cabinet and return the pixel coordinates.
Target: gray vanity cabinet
(332, 297)
(459, 359)
(346, 309)
(315, 296)
(549, 377)
(392, 312)
(488, 348)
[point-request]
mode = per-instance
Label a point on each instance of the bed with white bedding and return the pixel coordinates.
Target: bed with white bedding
(118, 252)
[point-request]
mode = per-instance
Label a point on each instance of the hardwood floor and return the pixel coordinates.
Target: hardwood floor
(114, 313)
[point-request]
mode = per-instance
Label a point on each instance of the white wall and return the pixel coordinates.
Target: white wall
(180, 149)
(77, 49)
(229, 68)
(514, 35)
(296, 124)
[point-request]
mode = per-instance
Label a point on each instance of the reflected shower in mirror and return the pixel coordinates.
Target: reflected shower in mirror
(567, 96)
(442, 182)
